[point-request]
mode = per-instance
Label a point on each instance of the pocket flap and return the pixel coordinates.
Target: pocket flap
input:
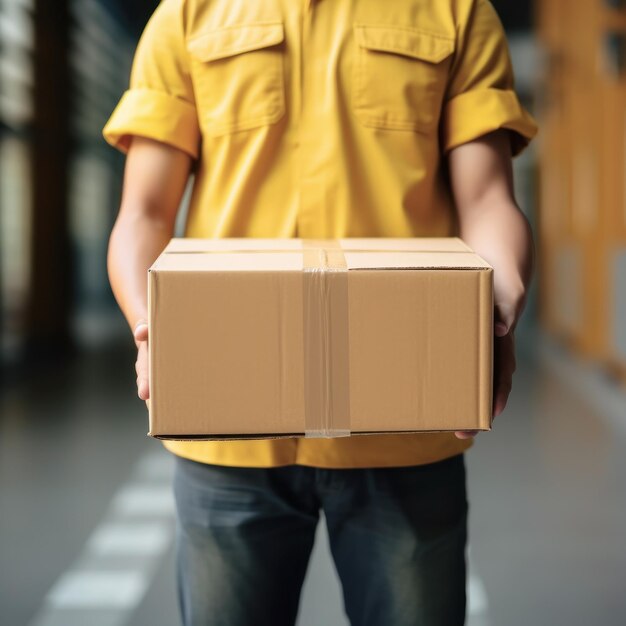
(231, 40)
(404, 40)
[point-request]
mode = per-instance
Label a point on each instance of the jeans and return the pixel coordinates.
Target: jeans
(397, 537)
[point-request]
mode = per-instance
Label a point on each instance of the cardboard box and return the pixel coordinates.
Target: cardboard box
(257, 338)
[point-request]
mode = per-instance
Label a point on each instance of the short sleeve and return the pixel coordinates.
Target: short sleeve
(480, 97)
(159, 103)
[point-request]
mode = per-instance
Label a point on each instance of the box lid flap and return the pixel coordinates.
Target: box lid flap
(256, 254)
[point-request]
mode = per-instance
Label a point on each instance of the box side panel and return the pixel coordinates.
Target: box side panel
(485, 348)
(151, 312)
(414, 350)
(227, 353)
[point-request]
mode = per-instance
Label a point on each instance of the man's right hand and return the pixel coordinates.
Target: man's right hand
(141, 365)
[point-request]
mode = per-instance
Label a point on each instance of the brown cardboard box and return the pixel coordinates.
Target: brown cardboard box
(256, 338)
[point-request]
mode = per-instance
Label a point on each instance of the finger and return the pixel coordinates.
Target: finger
(500, 329)
(141, 331)
(143, 390)
(466, 434)
(501, 398)
(504, 318)
(504, 367)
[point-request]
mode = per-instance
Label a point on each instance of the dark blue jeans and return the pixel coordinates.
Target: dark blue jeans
(397, 537)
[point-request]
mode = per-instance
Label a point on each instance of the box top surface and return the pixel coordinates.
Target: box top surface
(254, 254)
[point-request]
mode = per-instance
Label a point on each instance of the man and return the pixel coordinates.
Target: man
(322, 119)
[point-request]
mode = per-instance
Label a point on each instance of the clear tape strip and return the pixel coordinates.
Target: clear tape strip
(326, 339)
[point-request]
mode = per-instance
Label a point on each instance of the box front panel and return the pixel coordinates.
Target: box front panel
(415, 350)
(226, 349)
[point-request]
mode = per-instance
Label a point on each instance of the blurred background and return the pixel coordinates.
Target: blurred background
(86, 515)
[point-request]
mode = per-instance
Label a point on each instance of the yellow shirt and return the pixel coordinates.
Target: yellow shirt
(321, 118)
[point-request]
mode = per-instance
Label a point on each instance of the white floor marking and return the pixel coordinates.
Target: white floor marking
(135, 538)
(154, 465)
(149, 500)
(477, 596)
(97, 590)
(112, 594)
(477, 601)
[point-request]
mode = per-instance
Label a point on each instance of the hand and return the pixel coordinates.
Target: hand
(503, 368)
(141, 365)
(504, 363)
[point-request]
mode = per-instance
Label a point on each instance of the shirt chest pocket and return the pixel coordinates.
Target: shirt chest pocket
(399, 76)
(238, 76)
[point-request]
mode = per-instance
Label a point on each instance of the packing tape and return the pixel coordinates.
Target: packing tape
(326, 339)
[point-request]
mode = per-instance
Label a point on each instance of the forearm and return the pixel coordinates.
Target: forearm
(136, 241)
(499, 232)
(155, 176)
(490, 221)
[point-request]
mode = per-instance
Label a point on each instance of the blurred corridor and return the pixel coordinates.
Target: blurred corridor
(86, 516)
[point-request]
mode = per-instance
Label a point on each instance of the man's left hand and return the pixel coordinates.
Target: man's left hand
(504, 363)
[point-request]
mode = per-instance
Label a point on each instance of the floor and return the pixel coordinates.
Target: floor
(86, 514)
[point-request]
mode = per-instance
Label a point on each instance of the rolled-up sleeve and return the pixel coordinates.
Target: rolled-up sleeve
(481, 97)
(159, 103)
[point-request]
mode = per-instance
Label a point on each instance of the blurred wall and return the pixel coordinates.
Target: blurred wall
(63, 66)
(582, 226)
